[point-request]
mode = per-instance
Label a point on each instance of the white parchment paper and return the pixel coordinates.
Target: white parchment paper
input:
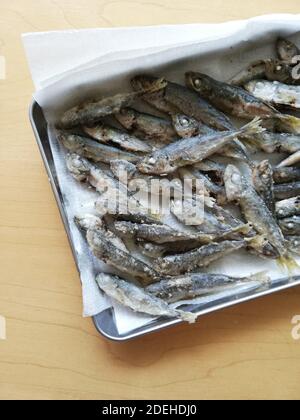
(70, 66)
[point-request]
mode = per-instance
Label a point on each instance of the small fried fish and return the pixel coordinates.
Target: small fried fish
(106, 250)
(106, 134)
(91, 112)
(90, 149)
(275, 93)
(189, 151)
(200, 257)
(149, 126)
(194, 285)
(256, 212)
(186, 101)
(273, 70)
(239, 102)
(138, 299)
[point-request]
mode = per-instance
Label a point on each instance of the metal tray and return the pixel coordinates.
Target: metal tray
(104, 322)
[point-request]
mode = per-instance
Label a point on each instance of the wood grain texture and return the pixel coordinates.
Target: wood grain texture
(51, 352)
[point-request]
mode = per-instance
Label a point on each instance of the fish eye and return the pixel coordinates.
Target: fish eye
(290, 225)
(197, 83)
(184, 122)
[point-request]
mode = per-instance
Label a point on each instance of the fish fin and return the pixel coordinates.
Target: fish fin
(288, 262)
(187, 316)
(261, 277)
(158, 85)
(288, 123)
(253, 128)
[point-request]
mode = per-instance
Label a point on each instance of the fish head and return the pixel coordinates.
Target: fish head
(79, 167)
(185, 126)
(123, 169)
(286, 49)
(88, 222)
(290, 224)
(200, 83)
(278, 71)
(147, 83)
(233, 183)
(264, 247)
(156, 165)
(126, 117)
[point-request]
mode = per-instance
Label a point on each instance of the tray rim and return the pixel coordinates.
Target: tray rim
(159, 325)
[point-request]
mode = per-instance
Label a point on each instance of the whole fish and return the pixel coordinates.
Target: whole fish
(287, 50)
(290, 226)
(293, 244)
(240, 189)
(275, 93)
(106, 250)
(286, 191)
(189, 151)
(158, 234)
(291, 160)
(194, 285)
(91, 112)
(90, 222)
(92, 150)
(138, 299)
(288, 208)
(188, 127)
(175, 265)
(270, 142)
(184, 100)
(149, 126)
(262, 175)
(126, 209)
(240, 103)
(106, 134)
(206, 222)
(273, 70)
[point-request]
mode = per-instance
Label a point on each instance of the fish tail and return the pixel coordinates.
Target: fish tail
(262, 277)
(253, 128)
(187, 316)
(288, 262)
(288, 123)
(159, 84)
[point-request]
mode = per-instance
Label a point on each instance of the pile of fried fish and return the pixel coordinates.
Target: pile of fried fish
(189, 135)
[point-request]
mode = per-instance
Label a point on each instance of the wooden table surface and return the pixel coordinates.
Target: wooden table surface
(51, 352)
